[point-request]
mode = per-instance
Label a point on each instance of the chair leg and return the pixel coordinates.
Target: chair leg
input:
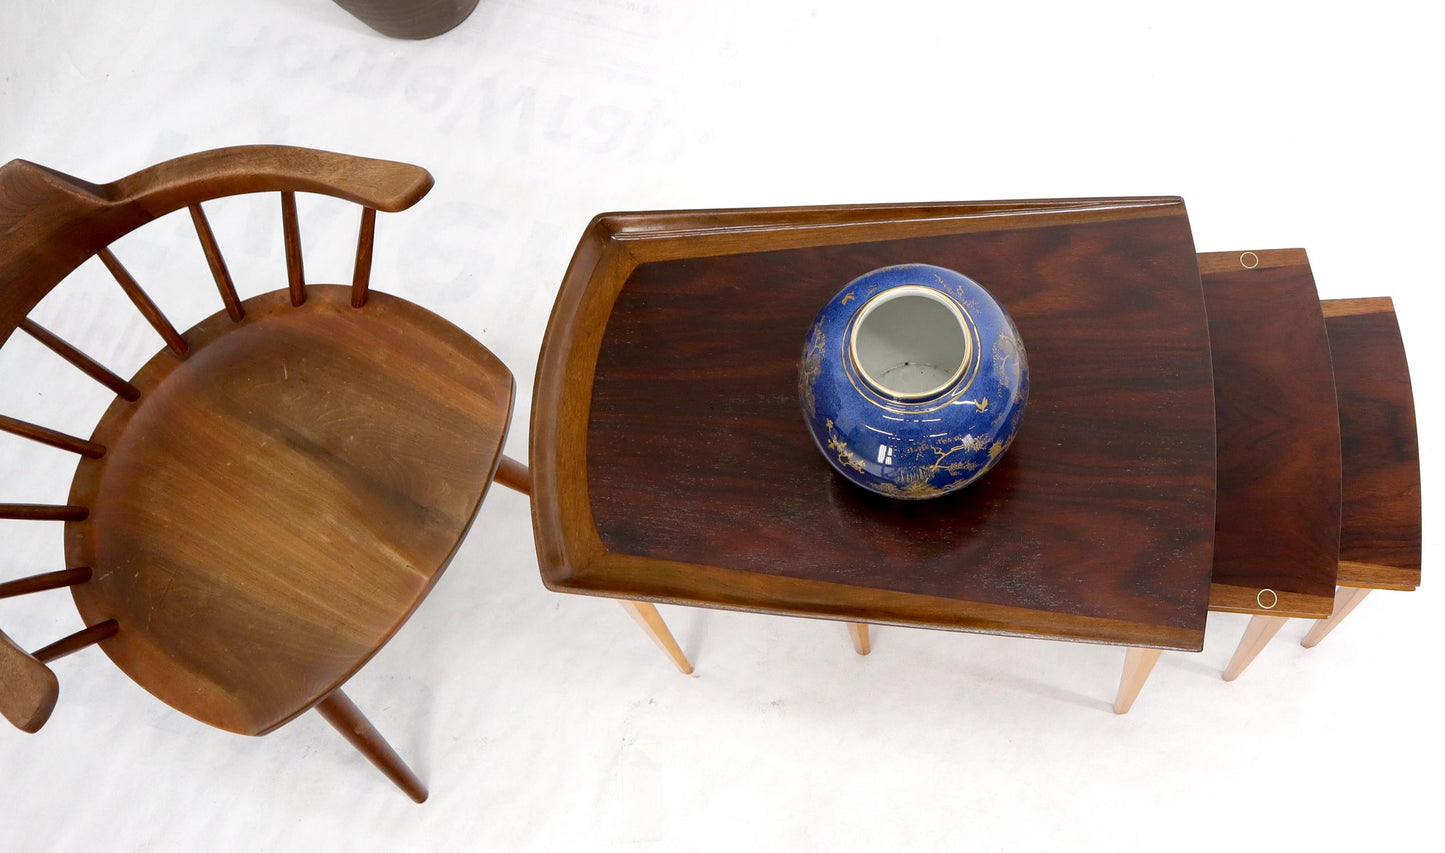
(345, 717)
(859, 632)
(514, 475)
(1347, 598)
(647, 616)
(1257, 635)
(1138, 663)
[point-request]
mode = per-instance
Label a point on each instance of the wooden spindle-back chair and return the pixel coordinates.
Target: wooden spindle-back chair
(271, 495)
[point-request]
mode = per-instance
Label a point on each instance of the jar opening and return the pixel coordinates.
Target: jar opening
(910, 343)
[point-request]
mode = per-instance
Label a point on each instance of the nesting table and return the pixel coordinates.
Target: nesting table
(671, 463)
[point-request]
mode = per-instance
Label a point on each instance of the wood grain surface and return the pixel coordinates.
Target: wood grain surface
(670, 461)
(278, 503)
(1277, 522)
(1380, 534)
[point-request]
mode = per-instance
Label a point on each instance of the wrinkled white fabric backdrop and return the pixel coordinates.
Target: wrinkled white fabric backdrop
(549, 722)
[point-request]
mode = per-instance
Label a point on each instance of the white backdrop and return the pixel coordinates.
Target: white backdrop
(549, 722)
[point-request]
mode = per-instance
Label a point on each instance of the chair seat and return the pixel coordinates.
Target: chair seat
(275, 506)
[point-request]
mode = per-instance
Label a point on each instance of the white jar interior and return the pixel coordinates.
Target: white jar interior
(910, 343)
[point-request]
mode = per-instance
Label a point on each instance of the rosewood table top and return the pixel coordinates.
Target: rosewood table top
(1277, 521)
(671, 463)
(1381, 531)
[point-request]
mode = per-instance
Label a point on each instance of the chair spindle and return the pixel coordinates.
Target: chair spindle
(292, 228)
(361, 277)
(51, 437)
(217, 264)
(77, 641)
(43, 512)
(514, 475)
(87, 365)
(144, 304)
(41, 583)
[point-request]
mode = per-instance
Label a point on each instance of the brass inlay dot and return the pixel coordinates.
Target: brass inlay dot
(1273, 598)
(1249, 260)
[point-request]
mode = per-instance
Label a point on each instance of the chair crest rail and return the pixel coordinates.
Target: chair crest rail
(50, 222)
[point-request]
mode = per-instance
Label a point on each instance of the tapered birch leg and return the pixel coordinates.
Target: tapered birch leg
(651, 621)
(1138, 663)
(1257, 635)
(1347, 598)
(345, 717)
(859, 632)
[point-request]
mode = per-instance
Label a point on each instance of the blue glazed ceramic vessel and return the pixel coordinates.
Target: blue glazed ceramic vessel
(913, 381)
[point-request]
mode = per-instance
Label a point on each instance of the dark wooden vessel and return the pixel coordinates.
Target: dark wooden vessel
(410, 19)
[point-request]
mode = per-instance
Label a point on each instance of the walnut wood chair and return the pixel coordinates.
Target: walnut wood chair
(274, 492)
(1380, 486)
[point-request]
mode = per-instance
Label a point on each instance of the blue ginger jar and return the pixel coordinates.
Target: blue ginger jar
(913, 381)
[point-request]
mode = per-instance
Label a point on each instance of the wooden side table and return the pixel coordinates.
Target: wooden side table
(671, 463)
(1380, 528)
(1381, 531)
(1277, 517)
